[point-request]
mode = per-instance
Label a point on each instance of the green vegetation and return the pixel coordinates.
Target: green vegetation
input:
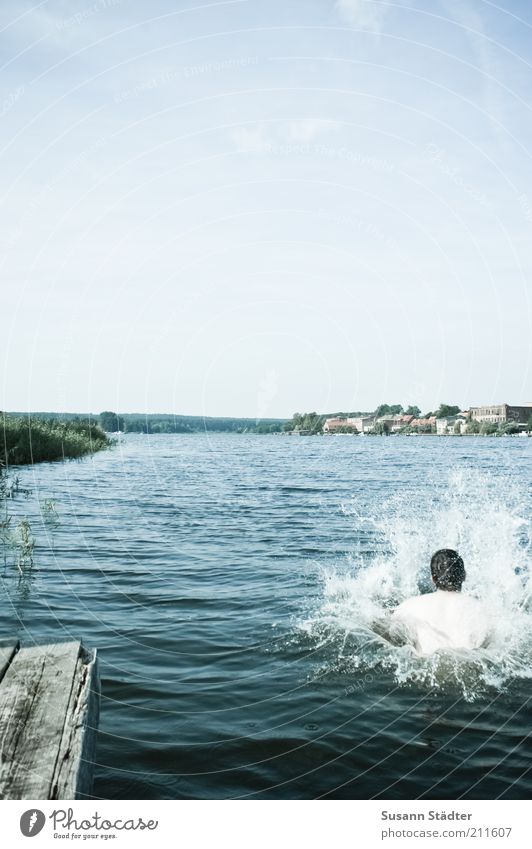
(444, 411)
(388, 410)
(111, 422)
(267, 428)
(307, 423)
(503, 429)
(16, 539)
(27, 439)
(169, 423)
(34, 440)
(380, 429)
(492, 429)
(509, 427)
(421, 429)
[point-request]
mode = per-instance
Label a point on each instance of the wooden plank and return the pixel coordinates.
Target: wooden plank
(34, 698)
(75, 763)
(6, 656)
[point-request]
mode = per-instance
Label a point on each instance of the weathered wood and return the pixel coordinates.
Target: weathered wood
(6, 656)
(75, 763)
(46, 697)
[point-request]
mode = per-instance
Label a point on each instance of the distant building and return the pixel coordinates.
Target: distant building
(365, 423)
(337, 423)
(452, 424)
(424, 423)
(500, 413)
(359, 423)
(395, 422)
(402, 421)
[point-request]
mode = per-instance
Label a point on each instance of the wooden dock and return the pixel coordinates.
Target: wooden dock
(49, 710)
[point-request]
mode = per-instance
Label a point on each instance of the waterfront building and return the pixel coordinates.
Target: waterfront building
(395, 422)
(365, 423)
(424, 423)
(500, 413)
(337, 423)
(359, 423)
(452, 424)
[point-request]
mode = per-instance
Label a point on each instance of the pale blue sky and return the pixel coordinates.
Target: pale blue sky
(256, 207)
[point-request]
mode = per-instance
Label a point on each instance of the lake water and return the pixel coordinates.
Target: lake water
(230, 584)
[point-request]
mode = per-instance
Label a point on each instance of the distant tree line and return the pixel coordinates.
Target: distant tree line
(111, 422)
(168, 423)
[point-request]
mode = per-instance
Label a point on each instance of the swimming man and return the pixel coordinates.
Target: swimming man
(444, 619)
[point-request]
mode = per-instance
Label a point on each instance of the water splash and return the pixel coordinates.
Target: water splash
(486, 518)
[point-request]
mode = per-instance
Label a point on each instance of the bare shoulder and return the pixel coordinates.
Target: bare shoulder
(412, 605)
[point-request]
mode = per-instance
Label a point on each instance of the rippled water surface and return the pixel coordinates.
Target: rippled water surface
(234, 587)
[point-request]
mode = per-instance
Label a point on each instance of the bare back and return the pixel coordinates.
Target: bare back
(441, 620)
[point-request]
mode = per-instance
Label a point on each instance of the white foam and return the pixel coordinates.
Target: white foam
(485, 518)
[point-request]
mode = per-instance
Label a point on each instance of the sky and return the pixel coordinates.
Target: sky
(248, 208)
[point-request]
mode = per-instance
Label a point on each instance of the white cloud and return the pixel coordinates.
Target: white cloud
(368, 14)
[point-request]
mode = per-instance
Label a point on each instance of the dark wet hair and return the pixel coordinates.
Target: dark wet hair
(447, 567)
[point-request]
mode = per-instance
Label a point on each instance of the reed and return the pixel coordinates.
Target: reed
(32, 440)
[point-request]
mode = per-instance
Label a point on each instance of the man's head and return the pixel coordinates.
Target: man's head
(448, 572)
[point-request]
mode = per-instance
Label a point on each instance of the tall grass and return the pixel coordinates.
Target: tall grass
(26, 440)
